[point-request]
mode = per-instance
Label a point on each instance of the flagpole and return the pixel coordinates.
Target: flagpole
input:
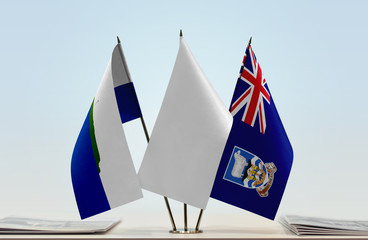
(199, 220)
(170, 214)
(145, 130)
(185, 205)
(236, 86)
(185, 218)
(250, 41)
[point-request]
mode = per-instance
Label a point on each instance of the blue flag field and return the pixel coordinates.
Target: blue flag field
(257, 158)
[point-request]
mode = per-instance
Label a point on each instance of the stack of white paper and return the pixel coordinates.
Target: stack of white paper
(43, 226)
(322, 226)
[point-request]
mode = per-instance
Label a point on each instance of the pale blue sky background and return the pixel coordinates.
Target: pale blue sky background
(312, 53)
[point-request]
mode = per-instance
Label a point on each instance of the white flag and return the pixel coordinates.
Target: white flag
(188, 138)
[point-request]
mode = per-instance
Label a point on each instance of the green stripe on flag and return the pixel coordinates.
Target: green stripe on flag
(96, 154)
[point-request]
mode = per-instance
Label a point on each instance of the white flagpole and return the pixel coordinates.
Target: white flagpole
(145, 132)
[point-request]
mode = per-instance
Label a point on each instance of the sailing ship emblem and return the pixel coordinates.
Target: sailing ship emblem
(249, 171)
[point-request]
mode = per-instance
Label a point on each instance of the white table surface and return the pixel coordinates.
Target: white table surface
(214, 226)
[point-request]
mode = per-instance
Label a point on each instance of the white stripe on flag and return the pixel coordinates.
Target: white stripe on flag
(119, 70)
(117, 174)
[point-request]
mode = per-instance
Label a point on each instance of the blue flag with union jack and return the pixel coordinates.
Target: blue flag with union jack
(257, 158)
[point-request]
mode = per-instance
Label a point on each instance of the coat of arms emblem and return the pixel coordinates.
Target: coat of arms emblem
(248, 170)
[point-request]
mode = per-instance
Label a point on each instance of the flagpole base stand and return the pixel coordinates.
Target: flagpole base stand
(182, 231)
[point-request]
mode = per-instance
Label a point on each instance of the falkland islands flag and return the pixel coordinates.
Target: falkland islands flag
(257, 158)
(102, 169)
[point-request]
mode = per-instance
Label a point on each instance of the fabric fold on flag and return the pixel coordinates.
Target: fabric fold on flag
(102, 170)
(258, 156)
(188, 137)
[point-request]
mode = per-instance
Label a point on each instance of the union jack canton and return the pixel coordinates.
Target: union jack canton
(252, 82)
